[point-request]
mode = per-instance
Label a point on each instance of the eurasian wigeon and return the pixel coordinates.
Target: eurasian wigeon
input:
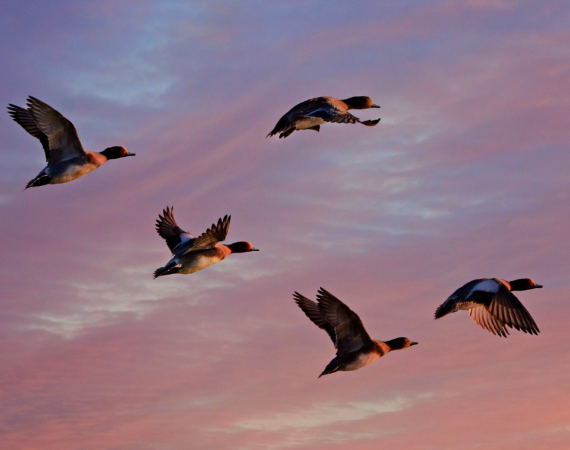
(355, 348)
(492, 305)
(66, 157)
(191, 253)
(311, 114)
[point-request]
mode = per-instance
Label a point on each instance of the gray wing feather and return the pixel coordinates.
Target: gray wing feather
(312, 311)
(168, 229)
(350, 332)
(333, 115)
(484, 318)
(64, 144)
(508, 309)
(26, 121)
(216, 233)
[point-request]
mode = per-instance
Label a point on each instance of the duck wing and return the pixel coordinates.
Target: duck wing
(349, 330)
(216, 233)
(312, 311)
(334, 115)
(26, 121)
(168, 229)
(509, 310)
(289, 119)
(64, 144)
(486, 320)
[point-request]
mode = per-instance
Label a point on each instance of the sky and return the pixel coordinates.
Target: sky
(465, 177)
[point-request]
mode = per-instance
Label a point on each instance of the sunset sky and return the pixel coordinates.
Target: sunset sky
(466, 176)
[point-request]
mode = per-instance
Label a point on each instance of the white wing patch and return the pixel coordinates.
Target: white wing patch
(485, 286)
(185, 237)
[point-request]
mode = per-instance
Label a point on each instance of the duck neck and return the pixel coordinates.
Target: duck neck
(382, 347)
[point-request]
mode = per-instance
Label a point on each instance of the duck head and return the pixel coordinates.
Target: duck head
(400, 343)
(116, 152)
(360, 103)
(242, 247)
(524, 284)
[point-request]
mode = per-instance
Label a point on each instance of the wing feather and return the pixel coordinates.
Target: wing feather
(350, 332)
(26, 121)
(216, 233)
(512, 312)
(312, 311)
(168, 229)
(64, 144)
(483, 318)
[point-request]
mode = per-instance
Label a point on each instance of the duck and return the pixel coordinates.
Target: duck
(355, 348)
(492, 305)
(312, 113)
(66, 158)
(191, 253)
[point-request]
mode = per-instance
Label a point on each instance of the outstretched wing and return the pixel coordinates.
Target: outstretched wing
(509, 310)
(24, 118)
(216, 233)
(64, 144)
(168, 229)
(348, 327)
(312, 311)
(333, 115)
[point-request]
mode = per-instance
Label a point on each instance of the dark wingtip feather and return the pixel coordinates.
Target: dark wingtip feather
(370, 123)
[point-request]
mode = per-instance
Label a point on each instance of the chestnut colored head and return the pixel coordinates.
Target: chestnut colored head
(242, 247)
(523, 284)
(360, 103)
(400, 343)
(116, 152)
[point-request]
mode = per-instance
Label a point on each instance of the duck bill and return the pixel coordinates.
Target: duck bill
(254, 249)
(538, 286)
(131, 154)
(413, 343)
(375, 106)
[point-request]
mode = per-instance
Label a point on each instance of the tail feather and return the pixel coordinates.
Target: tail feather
(169, 269)
(332, 367)
(41, 180)
(444, 309)
(286, 133)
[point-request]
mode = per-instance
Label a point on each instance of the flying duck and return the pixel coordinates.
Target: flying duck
(191, 253)
(355, 348)
(492, 305)
(66, 157)
(311, 114)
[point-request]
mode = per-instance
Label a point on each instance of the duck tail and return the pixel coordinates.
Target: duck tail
(332, 367)
(41, 180)
(444, 309)
(169, 269)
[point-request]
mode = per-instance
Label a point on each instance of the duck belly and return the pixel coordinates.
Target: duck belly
(360, 361)
(308, 122)
(195, 262)
(70, 173)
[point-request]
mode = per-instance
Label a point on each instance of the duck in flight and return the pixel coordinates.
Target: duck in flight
(492, 305)
(355, 348)
(66, 158)
(191, 253)
(311, 114)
